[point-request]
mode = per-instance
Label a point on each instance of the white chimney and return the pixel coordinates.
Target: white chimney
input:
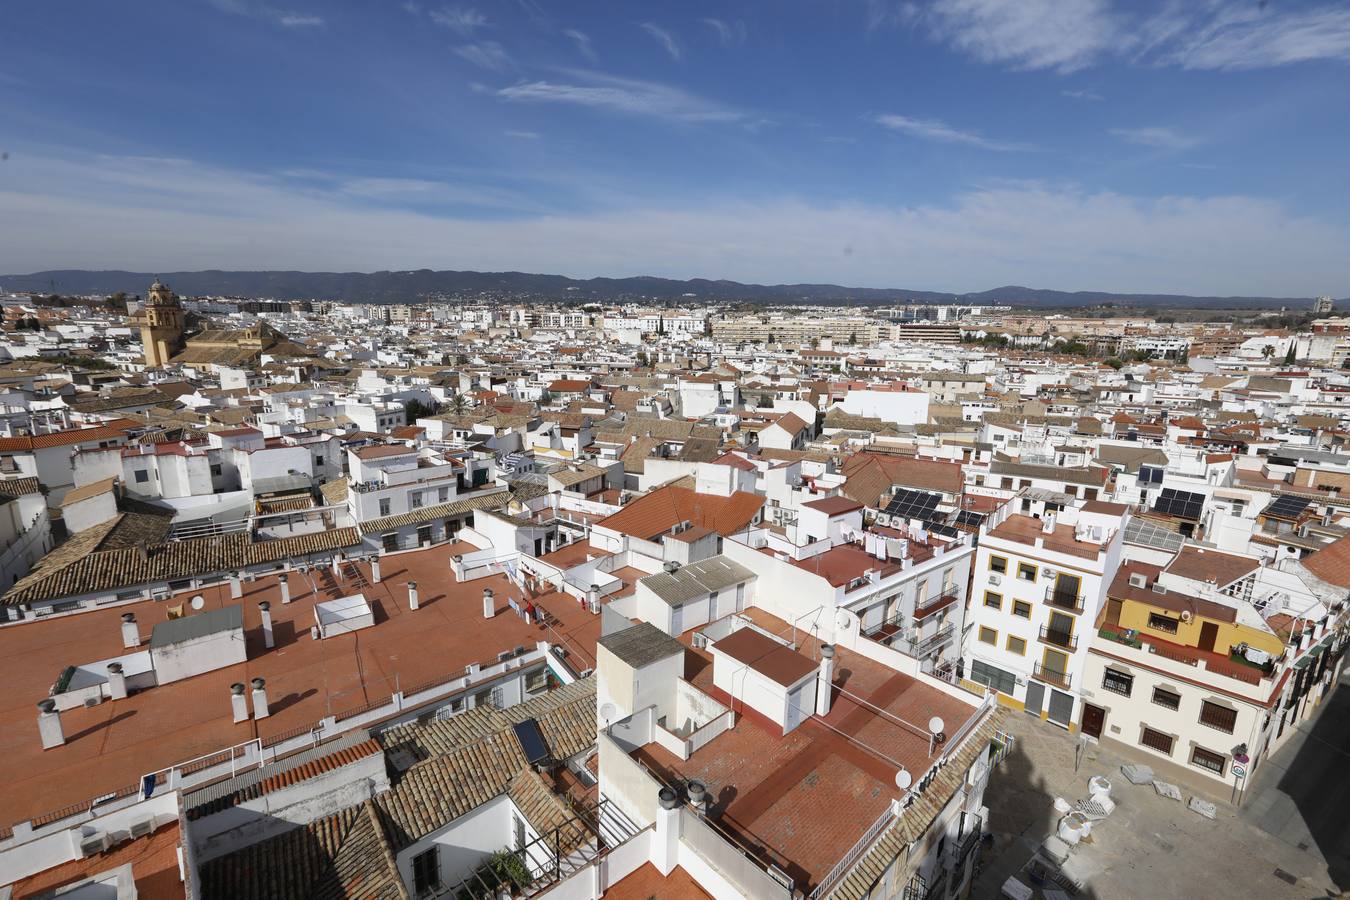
(131, 635)
(49, 724)
(260, 710)
(238, 702)
(285, 583)
(374, 570)
(489, 605)
(698, 796)
(412, 595)
(117, 682)
(1048, 524)
(666, 843)
(265, 608)
(236, 585)
(593, 596)
(825, 679)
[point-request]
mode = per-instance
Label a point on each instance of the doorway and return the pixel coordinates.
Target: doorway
(1061, 708)
(1035, 698)
(1093, 719)
(1209, 633)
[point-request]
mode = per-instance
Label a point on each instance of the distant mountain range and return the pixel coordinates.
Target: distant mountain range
(409, 286)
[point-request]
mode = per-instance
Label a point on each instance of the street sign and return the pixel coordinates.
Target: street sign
(1239, 771)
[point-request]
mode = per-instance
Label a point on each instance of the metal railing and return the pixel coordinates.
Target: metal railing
(1064, 600)
(1051, 676)
(861, 846)
(1058, 638)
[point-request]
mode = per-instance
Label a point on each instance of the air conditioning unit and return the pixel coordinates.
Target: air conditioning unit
(93, 843)
(142, 827)
(995, 579)
(1049, 573)
(159, 594)
(884, 520)
(1159, 588)
(700, 641)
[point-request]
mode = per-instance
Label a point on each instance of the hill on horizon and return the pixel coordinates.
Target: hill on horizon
(421, 284)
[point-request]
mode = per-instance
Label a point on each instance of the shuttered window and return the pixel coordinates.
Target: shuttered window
(1156, 740)
(1216, 716)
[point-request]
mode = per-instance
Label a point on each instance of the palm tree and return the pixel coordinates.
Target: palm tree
(458, 405)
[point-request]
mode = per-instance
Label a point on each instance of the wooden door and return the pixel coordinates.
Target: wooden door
(1093, 719)
(1209, 633)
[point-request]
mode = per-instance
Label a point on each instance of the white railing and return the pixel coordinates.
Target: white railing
(855, 852)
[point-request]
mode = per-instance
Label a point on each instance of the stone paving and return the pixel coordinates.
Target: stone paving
(1149, 846)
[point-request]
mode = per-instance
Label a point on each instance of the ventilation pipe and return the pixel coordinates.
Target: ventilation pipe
(412, 595)
(666, 846)
(825, 680)
(117, 682)
(285, 583)
(260, 710)
(374, 570)
(131, 634)
(265, 608)
(698, 796)
(238, 702)
(489, 605)
(236, 586)
(49, 724)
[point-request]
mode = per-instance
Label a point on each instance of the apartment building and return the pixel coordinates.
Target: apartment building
(1038, 587)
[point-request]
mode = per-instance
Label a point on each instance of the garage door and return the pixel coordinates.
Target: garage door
(1061, 707)
(1035, 697)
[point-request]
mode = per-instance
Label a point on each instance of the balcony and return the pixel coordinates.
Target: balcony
(1064, 600)
(1057, 638)
(1050, 676)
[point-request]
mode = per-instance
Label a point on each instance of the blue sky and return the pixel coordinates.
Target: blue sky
(1194, 146)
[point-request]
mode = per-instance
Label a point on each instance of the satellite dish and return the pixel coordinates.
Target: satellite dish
(903, 779)
(198, 601)
(607, 711)
(935, 725)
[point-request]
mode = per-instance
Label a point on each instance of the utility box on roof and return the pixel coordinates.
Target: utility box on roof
(765, 677)
(193, 645)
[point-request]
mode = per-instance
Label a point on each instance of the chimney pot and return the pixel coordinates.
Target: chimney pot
(131, 634)
(260, 710)
(49, 724)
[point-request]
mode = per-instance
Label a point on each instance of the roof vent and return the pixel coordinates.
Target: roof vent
(1139, 580)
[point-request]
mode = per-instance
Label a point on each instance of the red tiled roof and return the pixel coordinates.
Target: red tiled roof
(656, 513)
(1332, 563)
(108, 432)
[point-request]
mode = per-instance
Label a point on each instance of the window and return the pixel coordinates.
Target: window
(1164, 697)
(426, 872)
(998, 564)
(994, 677)
(992, 600)
(1156, 740)
(536, 679)
(1017, 645)
(216, 470)
(1118, 682)
(318, 462)
(1022, 609)
(1207, 759)
(416, 498)
(443, 495)
(988, 635)
(1216, 716)
(1026, 571)
(142, 475)
(384, 506)
(1159, 622)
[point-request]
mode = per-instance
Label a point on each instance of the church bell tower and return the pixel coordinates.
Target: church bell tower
(161, 325)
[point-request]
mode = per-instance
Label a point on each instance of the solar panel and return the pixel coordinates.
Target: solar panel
(1150, 475)
(1181, 504)
(969, 519)
(1149, 534)
(532, 742)
(939, 528)
(1287, 507)
(910, 504)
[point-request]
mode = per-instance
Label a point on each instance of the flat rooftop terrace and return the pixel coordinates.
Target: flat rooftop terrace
(802, 800)
(111, 745)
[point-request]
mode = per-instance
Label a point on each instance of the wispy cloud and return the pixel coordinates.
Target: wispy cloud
(623, 95)
(523, 135)
(296, 20)
(933, 130)
(1068, 35)
(486, 54)
(728, 33)
(664, 38)
(286, 18)
(583, 42)
(1160, 137)
(1064, 35)
(463, 20)
(1083, 95)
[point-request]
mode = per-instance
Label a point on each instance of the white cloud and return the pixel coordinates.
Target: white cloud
(283, 17)
(933, 130)
(1064, 35)
(728, 33)
(463, 20)
(523, 135)
(146, 215)
(296, 20)
(487, 54)
(1068, 35)
(583, 42)
(664, 38)
(1158, 136)
(1083, 95)
(623, 95)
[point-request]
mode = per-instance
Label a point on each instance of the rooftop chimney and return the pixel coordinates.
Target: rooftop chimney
(260, 710)
(374, 570)
(49, 724)
(117, 682)
(824, 680)
(489, 605)
(131, 634)
(238, 702)
(698, 796)
(412, 595)
(265, 608)
(236, 585)
(285, 583)
(666, 844)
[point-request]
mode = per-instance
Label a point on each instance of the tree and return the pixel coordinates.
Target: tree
(459, 405)
(415, 409)
(1268, 351)
(1289, 357)
(1115, 363)
(642, 360)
